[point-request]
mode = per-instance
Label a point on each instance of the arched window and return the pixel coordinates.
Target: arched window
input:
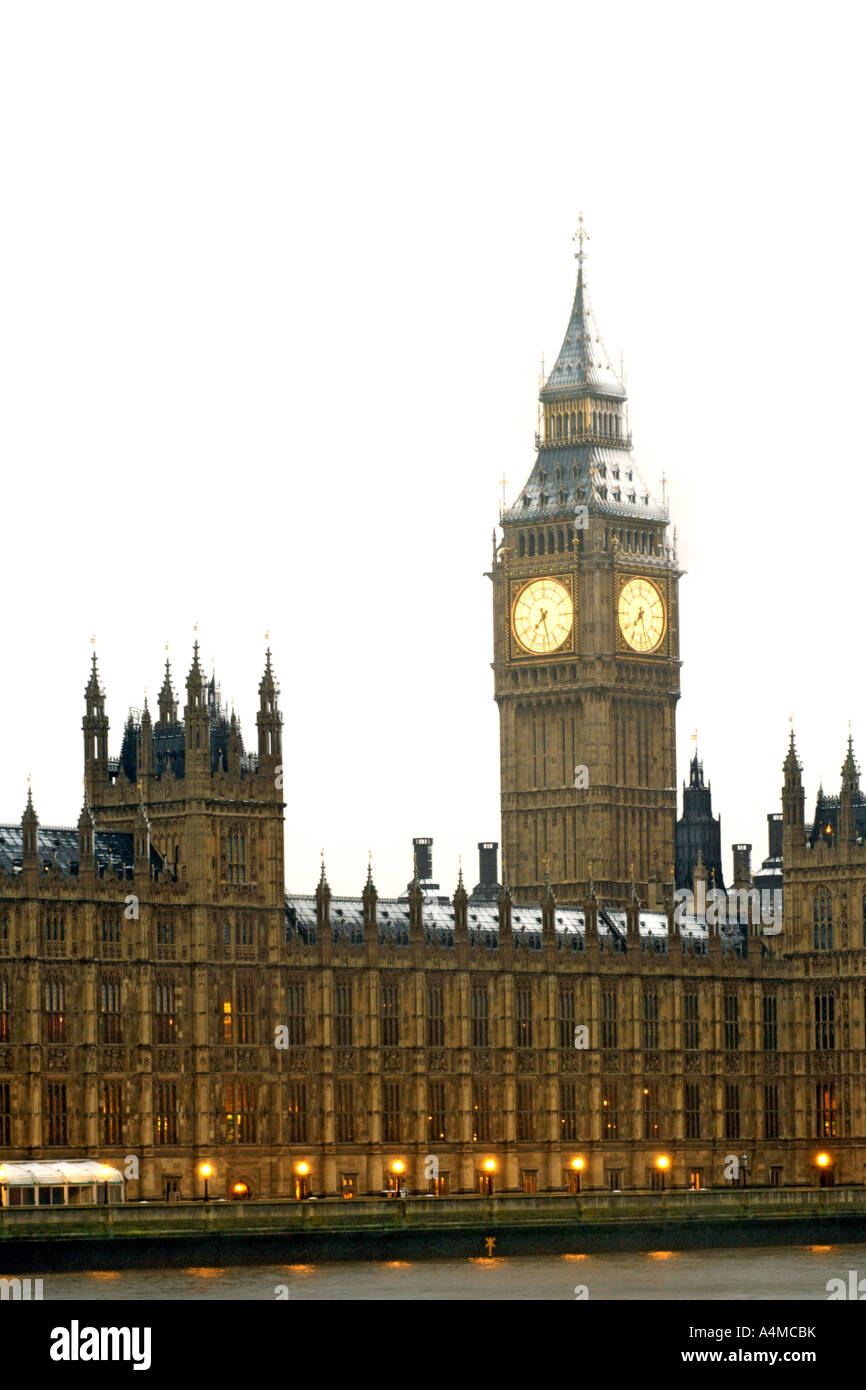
(559, 426)
(521, 544)
(573, 424)
(532, 542)
(570, 535)
(560, 540)
(541, 542)
(551, 541)
(822, 920)
(593, 421)
(864, 919)
(616, 425)
(580, 422)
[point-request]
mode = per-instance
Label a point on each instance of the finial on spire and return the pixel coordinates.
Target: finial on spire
(580, 237)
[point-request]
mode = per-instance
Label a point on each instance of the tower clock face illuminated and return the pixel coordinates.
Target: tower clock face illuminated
(543, 617)
(641, 613)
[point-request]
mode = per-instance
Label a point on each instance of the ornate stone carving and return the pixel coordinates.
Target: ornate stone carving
(297, 1059)
(609, 1062)
(58, 1059)
(526, 1061)
(437, 1061)
(346, 1059)
(733, 1062)
(651, 1061)
(392, 1060)
(692, 1062)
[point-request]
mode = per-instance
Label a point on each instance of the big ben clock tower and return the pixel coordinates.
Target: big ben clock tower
(586, 650)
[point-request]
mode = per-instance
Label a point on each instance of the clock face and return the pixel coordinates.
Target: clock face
(641, 613)
(543, 616)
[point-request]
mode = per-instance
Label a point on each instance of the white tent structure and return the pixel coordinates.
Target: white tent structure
(65, 1182)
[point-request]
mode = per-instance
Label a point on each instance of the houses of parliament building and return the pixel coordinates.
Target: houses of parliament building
(561, 1027)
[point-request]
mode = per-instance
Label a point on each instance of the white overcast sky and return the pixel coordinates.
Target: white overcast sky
(274, 285)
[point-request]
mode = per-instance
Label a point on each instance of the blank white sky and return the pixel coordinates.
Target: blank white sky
(275, 281)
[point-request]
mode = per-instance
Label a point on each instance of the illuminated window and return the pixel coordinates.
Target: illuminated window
(112, 1112)
(166, 1112)
(166, 1013)
(228, 1034)
(240, 1107)
(55, 1021)
(825, 1106)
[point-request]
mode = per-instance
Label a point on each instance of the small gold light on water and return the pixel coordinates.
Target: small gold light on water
(205, 1170)
(663, 1161)
(303, 1169)
(823, 1160)
(577, 1164)
(489, 1165)
(398, 1165)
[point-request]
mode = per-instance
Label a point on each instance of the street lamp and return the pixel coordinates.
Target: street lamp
(206, 1170)
(662, 1163)
(577, 1165)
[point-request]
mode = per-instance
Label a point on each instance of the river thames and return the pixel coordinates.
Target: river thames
(797, 1272)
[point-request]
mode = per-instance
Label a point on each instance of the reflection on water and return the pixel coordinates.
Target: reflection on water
(793, 1272)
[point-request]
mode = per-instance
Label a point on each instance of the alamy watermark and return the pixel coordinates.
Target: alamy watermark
(738, 906)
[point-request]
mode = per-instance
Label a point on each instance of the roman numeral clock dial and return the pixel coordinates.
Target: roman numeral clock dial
(641, 614)
(543, 617)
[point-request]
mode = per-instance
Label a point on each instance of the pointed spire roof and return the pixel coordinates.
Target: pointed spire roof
(195, 669)
(583, 361)
(29, 810)
(588, 464)
(791, 765)
(850, 770)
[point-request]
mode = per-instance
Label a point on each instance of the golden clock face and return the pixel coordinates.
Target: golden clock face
(641, 613)
(543, 616)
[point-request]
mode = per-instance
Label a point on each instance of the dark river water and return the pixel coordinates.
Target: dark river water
(787, 1272)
